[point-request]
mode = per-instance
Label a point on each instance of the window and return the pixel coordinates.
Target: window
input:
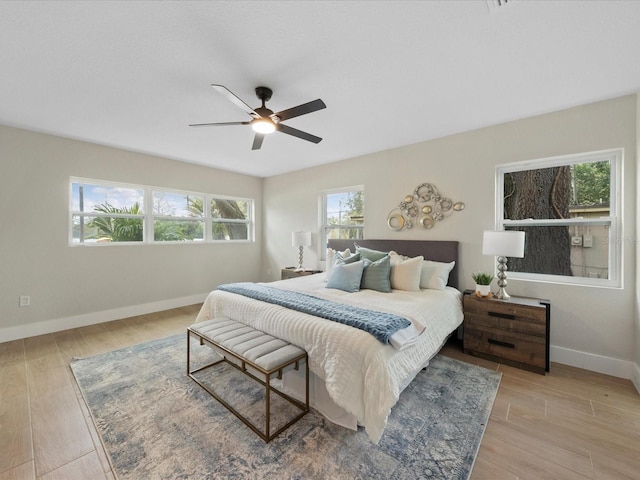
(568, 208)
(177, 217)
(343, 214)
(106, 213)
(230, 219)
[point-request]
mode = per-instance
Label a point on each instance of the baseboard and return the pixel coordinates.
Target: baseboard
(636, 377)
(55, 325)
(596, 363)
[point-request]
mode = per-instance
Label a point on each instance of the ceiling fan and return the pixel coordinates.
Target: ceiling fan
(264, 120)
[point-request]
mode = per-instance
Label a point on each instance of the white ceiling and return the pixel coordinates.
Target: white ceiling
(135, 74)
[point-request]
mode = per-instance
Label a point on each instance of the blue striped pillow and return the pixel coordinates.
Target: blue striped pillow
(373, 255)
(376, 274)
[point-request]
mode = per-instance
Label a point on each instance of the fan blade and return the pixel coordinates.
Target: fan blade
(227, 93)
(257, 141)
(218, 124)
(301, 110)
(297, 133)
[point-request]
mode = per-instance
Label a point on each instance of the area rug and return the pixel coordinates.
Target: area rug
(156, 423)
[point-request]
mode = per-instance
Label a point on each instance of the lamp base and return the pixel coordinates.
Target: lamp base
(502, 279)
(300, 267)
(502, 294)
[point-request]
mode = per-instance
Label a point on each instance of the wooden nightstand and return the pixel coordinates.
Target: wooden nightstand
(290, 272)
(514, 331)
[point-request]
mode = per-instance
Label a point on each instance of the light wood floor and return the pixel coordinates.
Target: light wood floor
(569, 424)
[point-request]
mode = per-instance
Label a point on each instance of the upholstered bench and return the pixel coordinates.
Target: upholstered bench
(254, 353)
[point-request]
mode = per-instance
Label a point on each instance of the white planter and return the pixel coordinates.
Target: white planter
(483, 290)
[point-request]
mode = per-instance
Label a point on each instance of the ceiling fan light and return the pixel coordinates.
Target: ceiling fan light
(263, 126)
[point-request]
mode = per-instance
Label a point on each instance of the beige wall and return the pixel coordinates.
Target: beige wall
(77, 285)
(590, 327)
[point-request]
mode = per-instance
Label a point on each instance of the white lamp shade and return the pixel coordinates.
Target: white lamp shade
(301, 239)
(508, 243)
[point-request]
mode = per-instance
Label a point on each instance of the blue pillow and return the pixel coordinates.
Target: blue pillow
(346, 277)
(340, 259)
(370, 254)
(376, 274)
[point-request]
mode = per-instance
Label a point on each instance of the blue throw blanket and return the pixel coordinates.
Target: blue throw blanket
(379, 324)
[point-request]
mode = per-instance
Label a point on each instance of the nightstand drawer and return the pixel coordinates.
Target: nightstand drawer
(505, 311)
(516, 324)
(527, 351)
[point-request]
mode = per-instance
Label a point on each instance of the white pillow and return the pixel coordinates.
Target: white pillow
(395, 258)
(435, 275)
(405, 274)
(331, 255)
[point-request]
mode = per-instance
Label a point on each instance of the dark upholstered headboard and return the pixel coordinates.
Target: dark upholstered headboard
(435, 250)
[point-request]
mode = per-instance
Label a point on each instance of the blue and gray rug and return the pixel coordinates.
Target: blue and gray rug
(156, 423)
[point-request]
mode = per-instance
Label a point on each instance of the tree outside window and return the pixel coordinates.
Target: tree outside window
(230, 219)
(567, 206)
(344, 215)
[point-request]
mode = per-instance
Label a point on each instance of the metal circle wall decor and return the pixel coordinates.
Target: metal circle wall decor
(395, 222)
(423, 208)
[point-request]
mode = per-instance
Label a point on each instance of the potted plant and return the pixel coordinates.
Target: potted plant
(483, 283)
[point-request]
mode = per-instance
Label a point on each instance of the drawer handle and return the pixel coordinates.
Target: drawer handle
(502, 315)
(502, 344)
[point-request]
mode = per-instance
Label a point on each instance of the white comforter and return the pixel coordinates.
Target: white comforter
(362, 375)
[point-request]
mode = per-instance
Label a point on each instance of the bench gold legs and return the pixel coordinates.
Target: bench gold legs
(266, 435)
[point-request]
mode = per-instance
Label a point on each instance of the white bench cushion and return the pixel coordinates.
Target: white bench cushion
(264, 350)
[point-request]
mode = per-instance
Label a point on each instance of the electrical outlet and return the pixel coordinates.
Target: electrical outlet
(25, 300)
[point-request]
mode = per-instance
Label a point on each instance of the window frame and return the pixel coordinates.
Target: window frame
(148, 217)
(324, 228)
(613, 220)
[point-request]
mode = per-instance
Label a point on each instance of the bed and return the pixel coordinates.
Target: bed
(355, 378)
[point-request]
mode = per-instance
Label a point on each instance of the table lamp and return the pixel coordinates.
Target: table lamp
(503, 244)
(301, 240)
